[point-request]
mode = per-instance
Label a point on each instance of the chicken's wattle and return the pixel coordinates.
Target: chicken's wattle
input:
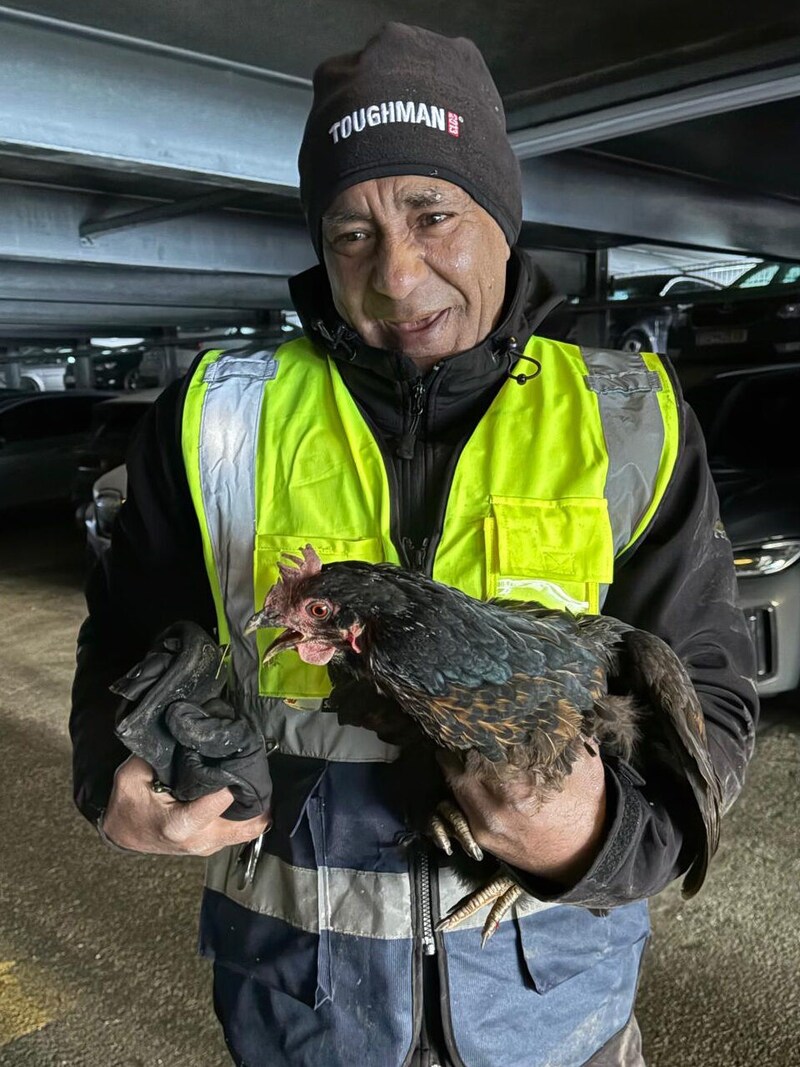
(316, 652)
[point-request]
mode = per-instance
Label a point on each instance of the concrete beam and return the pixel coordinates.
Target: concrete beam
(588, 192)
(42, 224)
(72, 317)
(93, 284)
(85, 97)
(713, 97)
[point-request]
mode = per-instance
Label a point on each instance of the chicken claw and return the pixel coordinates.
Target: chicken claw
(502, 890)
(449, 820)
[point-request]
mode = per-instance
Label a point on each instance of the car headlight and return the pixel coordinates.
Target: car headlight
(771, 557)
(789, 311)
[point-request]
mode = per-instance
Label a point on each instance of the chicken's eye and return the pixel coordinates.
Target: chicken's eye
(318, 610)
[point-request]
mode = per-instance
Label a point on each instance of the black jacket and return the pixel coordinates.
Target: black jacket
(677, 581)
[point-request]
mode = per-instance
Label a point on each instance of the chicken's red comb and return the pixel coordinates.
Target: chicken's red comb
(306, 567)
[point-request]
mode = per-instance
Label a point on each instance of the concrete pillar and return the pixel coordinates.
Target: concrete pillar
(170, 362)
(84, 372)
(13, 379)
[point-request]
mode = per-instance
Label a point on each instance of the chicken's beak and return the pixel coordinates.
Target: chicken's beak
(268, 620)
(258, 621)
(285, 639)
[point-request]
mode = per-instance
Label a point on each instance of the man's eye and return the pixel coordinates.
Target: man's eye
(318, 610)
(351, 237)
(435, 218)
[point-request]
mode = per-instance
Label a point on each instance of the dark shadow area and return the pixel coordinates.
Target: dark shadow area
(43, 542)
(103, 943)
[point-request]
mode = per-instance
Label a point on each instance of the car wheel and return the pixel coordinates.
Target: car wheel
(131, 380)
(636, 341)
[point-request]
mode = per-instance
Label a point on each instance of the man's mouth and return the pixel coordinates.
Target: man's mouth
(415, 328)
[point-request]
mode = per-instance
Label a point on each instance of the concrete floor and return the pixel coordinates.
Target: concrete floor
(97, 959)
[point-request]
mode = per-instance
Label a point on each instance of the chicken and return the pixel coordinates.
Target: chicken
(510, 687)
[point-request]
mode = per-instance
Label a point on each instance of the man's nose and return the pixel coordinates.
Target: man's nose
(399, 267)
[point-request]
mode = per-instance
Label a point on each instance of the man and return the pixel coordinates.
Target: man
(394, 431)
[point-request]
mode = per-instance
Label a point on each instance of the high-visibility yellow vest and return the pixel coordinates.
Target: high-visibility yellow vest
(559, 477)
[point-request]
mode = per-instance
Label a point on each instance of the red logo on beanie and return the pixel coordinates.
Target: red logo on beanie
(452, 123)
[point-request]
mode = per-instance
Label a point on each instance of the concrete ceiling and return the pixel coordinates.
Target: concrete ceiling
(645, 121)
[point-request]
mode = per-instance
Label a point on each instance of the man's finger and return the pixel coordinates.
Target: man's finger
(197, 814)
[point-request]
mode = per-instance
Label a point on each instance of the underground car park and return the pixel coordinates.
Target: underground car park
(150, 215)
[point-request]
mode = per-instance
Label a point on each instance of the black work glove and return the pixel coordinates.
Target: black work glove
(190, 736)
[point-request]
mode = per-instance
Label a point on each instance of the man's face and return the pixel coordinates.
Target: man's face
(415, 265)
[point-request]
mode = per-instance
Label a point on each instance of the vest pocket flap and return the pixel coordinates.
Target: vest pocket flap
(562, 942)
(562, 540)
(329, 549)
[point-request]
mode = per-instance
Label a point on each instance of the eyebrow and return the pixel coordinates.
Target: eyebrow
(346, 216)
(424, 198)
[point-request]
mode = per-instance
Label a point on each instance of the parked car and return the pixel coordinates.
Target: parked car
(117, 370)
(747, 415)
(39, 435)
(757, 317)
(113, 423)
(38, 379)
(641, 308)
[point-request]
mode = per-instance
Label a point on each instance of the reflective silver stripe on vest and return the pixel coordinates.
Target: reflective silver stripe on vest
(627, 394)
(301, 730)
(228, 439)
(231, 411)
(360, 903)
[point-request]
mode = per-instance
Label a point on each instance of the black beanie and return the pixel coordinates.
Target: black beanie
(411, 102)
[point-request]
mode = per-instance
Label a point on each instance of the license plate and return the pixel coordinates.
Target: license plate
(721, 337)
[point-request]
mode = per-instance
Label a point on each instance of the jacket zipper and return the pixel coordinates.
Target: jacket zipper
(428, 940)
(416, 556)
(416, 409)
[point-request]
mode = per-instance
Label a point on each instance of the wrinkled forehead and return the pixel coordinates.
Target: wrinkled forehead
(396, 193)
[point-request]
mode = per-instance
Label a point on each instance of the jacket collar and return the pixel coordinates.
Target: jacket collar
(529, 300)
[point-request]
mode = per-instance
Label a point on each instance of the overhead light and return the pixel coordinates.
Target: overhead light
(115, 342)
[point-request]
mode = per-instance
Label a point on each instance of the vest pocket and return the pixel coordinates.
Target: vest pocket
(287, 675)
(555, 552)
(567, 941)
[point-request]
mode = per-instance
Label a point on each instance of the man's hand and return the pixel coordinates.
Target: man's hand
(139, 819)
(557, 838)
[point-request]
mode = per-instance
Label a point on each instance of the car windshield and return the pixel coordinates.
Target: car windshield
(769, 274)
(747, 422)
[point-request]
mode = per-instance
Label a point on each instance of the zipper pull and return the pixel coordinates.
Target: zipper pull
(406, 444)
(420, 555)
(416, 555)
